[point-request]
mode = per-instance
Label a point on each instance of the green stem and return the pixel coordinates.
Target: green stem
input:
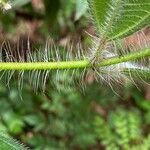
(130, 57)
(44, 65)
(71, 64)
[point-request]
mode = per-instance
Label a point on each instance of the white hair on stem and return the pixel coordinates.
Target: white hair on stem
(69, 77)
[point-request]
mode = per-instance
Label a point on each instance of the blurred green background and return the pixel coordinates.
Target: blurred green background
(95, 118)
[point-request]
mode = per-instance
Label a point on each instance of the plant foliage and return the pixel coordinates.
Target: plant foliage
(119, 18)
(7, 143)
(70, 119)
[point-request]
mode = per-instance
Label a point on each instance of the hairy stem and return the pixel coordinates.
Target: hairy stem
(130, 57)
(72, 64)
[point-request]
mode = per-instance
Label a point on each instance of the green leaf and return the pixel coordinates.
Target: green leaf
(81, 8)
(14, 122)
(19, 3)
(7, 143)
(119, 18)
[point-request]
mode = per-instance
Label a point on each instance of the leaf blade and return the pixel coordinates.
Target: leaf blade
(119, 18)
(7, 142)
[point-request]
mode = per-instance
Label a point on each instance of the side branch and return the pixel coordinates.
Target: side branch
(126, 58)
